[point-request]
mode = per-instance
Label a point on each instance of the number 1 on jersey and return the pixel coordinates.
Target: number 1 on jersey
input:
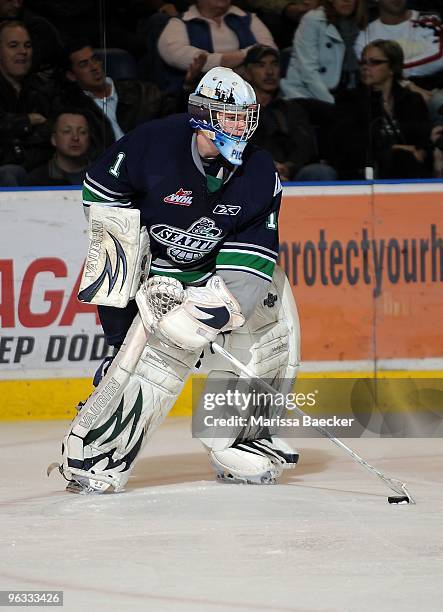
(115, 168)
(271, 221)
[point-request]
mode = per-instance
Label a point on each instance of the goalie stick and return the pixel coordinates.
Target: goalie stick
(394, 484)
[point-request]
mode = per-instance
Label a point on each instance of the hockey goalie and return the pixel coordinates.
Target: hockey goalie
(183, 242)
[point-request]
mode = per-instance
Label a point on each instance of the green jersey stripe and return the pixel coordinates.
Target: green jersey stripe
(245, 260)
(245, 269)
(245, 252)
(89, 196)
(92, 196)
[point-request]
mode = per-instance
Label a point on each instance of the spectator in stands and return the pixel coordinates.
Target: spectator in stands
(70, 137)
(284, 128)
(214, 28)
(116, 106)
(420, 36)
(25, 104)
(46, 42)
(281, 17)
(323, 59)
(381, 124)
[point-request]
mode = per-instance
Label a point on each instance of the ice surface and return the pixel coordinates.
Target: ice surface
(324, 540)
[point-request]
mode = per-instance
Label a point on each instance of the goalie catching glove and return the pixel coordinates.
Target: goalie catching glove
(203, 313)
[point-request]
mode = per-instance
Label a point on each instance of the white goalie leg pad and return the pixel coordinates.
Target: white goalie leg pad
(119, 417)
(118, 256)
(270, 340)
(233, 462)
(79, 455)
(268, 344)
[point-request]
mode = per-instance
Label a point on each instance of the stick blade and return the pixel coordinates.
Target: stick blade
(398, 499)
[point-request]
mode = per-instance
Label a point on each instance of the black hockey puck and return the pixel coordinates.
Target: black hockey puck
(398, 499)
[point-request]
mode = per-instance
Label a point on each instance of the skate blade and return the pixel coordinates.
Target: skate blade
(228, 478)
(85, 486)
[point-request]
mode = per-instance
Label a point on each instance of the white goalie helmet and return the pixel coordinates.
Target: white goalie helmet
(224, 106)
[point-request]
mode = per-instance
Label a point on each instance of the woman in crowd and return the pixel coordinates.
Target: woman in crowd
(212, 33)
(381, 124)
(323, 58)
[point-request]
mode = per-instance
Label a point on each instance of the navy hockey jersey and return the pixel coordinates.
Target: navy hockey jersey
(193, 233)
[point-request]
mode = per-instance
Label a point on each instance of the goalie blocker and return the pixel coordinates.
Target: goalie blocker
(118, 256)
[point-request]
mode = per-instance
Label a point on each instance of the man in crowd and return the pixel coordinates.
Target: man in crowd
(25, 104)
(70, 137)
(115, 106)
(284, 129)
(45, 38)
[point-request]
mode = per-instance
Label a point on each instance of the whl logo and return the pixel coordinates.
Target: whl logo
(180, 197)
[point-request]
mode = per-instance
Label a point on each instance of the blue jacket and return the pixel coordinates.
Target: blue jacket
(316, 59)
(200, 35)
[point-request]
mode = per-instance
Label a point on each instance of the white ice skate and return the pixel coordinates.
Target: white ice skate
(253, 462)
(282, 448)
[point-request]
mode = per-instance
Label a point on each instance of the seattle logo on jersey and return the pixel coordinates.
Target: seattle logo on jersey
(180, 197)
(188, 246)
